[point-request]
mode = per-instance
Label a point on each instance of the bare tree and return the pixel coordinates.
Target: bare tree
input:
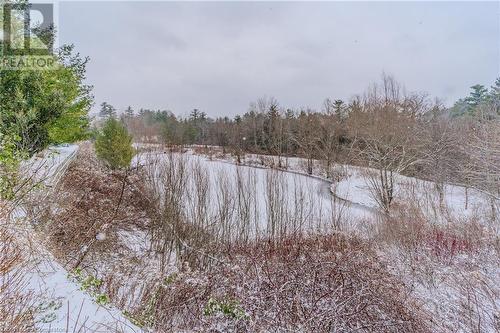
(386, 134)
(307, 137)
(441, 139)
(329, 145)
(483, 169)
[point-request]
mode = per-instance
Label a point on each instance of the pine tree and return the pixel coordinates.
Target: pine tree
(339, 107)
(114, 145)
(107, 110)
(494, 96)
(129, 112)
(477, 96)
(470, 104)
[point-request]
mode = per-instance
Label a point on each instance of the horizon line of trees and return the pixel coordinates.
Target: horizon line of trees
(386, 128)
(266, 119)
(266, 127)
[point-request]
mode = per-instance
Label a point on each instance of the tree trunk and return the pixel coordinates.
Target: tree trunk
(466, 197)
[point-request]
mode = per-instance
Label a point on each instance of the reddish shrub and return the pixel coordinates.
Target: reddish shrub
(445, 244)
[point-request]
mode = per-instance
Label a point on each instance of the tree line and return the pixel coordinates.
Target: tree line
(386, 128)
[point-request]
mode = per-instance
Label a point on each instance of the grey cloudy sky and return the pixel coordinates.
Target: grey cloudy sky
(219, 56)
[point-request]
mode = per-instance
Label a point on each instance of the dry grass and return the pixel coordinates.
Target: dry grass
(408, 228)
(319, 284)
(451, 266)
(91, 201)
(16, 305)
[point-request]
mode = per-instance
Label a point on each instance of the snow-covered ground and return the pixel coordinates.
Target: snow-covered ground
(49, 165)
(355, 187)
(62, 305)
(352, 185)
(304, 201)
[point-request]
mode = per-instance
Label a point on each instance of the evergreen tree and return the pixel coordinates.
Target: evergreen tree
(114, 145)
(339, 108)
(72, 124)
(129, 112)
(477, 96)
(470, 104)
(39, 107)
(107, 110)
(494, 96)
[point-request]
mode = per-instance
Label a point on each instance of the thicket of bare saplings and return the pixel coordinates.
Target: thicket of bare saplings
(16, 304)
(234, 207)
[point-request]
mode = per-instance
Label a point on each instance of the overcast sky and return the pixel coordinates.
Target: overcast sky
(220, 56)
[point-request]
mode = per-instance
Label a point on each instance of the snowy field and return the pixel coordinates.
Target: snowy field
(352, 185)
(356, 188)
(267, 201)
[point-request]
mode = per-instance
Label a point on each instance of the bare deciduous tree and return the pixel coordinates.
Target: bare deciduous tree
(385, 130)
(483, 169)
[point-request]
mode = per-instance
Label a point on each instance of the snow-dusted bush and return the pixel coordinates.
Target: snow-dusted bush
(317, 284)
(452, 266)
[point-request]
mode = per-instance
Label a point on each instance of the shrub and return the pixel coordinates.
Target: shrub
(113, 145)
(10, 158)
(313, 284)
(228, 308)
(17, 305)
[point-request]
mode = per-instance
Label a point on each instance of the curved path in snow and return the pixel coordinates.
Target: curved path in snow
(325, 191)
(324, 185)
